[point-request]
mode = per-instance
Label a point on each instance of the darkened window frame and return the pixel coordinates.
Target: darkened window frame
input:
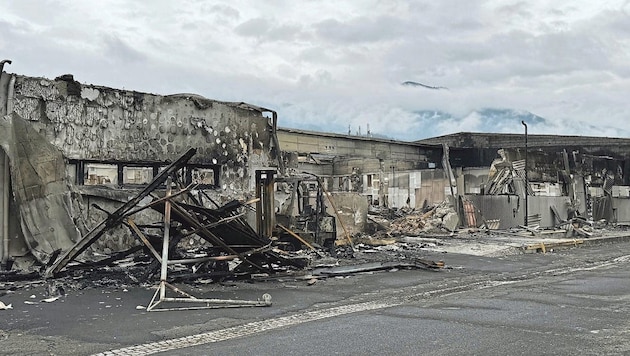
(80, 166)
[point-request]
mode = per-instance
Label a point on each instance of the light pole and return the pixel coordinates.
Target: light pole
(526, 179)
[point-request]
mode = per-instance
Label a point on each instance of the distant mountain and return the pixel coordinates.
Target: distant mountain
(492, 115)
(432, 123)
(438, 123)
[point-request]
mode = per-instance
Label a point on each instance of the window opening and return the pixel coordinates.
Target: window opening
(100, 174)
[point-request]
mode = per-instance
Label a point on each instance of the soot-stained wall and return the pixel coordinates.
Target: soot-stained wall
(90, 122)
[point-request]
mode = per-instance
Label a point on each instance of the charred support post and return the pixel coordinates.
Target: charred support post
(526, 178)
(5, 176)
(446, 163)
(264, 204)
(274, 137)
(145, 241)
(165, 241)
(4, 244)
(332, 204)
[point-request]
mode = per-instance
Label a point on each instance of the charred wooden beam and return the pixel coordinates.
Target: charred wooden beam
(117, 216)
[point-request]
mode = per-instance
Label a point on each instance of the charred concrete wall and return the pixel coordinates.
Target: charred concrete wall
(510, 209)
(95, 124)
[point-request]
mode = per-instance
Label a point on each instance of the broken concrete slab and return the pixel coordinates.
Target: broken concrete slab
(450, 221)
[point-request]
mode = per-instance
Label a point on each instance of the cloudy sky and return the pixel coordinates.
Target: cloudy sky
(334, 65)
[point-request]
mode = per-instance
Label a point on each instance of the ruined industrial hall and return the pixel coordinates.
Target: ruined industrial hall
(198, 187)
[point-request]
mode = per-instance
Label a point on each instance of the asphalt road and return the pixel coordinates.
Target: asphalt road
(567, 302)
(578, 314)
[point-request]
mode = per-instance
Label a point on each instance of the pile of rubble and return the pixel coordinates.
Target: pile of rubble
(440, 219)
(232, 246)
(225, 245)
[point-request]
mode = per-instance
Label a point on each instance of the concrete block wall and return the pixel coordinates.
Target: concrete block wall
(510, 209)
(621, 210)
(99, 123)
(95, 123)
(346, 146)
(343, 166)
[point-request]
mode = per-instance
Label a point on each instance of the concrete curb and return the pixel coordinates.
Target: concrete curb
(563, 244)
(605, 240)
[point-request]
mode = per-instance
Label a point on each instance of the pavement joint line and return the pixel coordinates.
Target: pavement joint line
(304, 317)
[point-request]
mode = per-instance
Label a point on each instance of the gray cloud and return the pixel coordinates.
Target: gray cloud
(116, 49)
(267, 30)
(360, 29)
(225, 11)
(335, 64)
(253, 27)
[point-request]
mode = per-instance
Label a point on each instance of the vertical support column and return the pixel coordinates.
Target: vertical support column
(265, 214)
(119, 175)
(259, 204)
(5, 177)
(381, 183)
(526, 179)
(269, 203)
(4, 207)
(165, 242)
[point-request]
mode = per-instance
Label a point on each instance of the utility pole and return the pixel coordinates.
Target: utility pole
(526, 179)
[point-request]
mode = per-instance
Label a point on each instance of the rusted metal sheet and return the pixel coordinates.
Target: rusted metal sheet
(507, 208)
(469, 213)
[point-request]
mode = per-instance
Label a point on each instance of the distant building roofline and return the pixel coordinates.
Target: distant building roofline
(355, 137)
(477, 139)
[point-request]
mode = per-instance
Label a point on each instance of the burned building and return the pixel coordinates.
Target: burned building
(72, 151)
(556, 178)
(488, 174)
(363, 172)
(385, 171)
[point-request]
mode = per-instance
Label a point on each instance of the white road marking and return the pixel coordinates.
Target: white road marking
(246, 329)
